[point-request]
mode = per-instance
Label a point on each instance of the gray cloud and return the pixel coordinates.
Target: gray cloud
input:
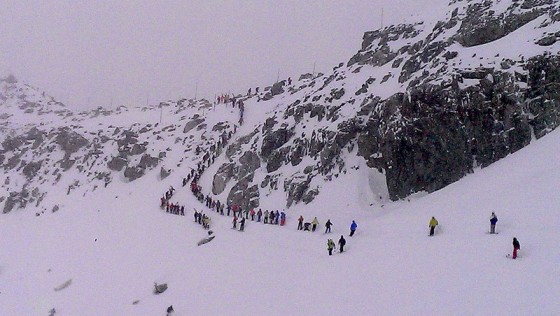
(87, 53)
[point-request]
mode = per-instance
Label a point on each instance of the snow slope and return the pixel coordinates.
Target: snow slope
(115, 244)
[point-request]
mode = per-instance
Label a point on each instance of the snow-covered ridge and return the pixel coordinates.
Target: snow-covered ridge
(417, 108)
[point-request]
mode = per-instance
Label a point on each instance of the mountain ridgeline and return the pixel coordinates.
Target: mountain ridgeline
(422, 104)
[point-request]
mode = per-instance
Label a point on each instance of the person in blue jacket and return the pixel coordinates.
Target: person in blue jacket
(282, 218)
(353, 227)
(276, 217)
(493, 221)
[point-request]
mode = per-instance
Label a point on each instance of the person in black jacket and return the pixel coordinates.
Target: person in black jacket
(493, 221)
(328, 225)
(341, 243)
(242, 224)
(516, 247)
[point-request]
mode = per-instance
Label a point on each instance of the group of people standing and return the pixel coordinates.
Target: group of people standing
(331, 245)
(493, 221)
(202, 219)
(169, 207)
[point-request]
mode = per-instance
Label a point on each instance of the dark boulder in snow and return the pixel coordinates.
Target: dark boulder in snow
(160, 288)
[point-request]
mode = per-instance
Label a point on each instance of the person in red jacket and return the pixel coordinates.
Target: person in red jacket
(516, 247)
(252, 212)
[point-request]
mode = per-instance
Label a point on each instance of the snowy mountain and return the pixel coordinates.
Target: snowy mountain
(423, 104)
(417, 108)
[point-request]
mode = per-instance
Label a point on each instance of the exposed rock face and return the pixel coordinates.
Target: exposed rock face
(30, 170)
(446, 131)
(164, 173)
(222, 177)
(481, 25)
(70, 141)
(117, 163)
(274, 140)
(146, 162)
(192, 124)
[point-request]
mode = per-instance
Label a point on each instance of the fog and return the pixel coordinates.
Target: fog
(107, 53)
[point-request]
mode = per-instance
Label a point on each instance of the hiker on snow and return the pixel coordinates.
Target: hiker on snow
(242, 224)
(341, 243)
(300, 223)
(330, 246)
(516, 247)
(315, 222)
(353, 227)
(234, 221)
(206, 222)
(493, 221)
(252, 214)
(259, 215)
(265, 217)
(271, 217)
(328, 225)
(433, 223)
(282, 218)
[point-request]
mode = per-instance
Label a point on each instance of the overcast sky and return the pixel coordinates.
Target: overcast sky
(87, 53)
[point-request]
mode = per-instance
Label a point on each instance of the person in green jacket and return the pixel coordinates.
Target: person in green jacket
(432, 225)
(330, 246)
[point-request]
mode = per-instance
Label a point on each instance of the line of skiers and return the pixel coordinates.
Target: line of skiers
(169, 207)
(175, 209)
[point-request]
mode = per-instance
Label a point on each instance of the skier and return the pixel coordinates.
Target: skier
(259, 215)
(265, 218)
(300, 223)
(493, 221)
(353, 227)
(330, 246)
(234, 221)
(252, 214)
(315, 222)
(433, 223)
(516, 247)
(271, 217)
(341, 243)
(276, 217)
(282, 218)
(242, 224)
(206, 222)
(328, 225)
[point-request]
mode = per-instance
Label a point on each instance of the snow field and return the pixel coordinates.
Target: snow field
(389, 267)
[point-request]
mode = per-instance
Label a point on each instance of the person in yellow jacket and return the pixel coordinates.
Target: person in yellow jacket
(432, 225)
(315, 222)
(330, 246)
